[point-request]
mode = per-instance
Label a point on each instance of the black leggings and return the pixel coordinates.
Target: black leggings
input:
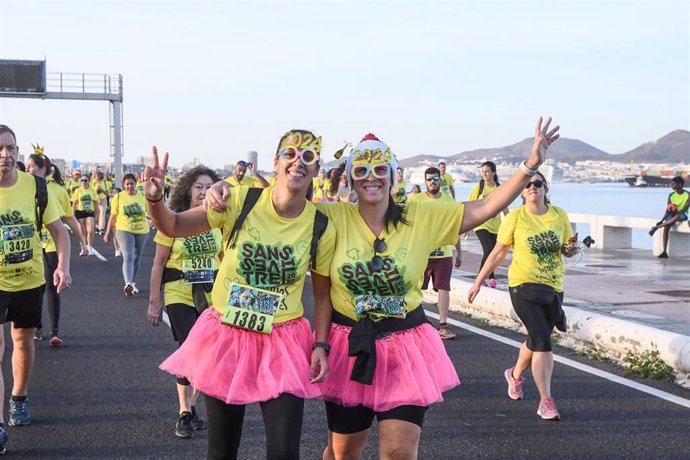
(282, 421)
(51, 295)
(182, 318)
(488, 241)
(539, 319)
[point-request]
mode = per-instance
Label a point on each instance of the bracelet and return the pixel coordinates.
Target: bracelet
(153, 201)
(326, 347)
(529, 172)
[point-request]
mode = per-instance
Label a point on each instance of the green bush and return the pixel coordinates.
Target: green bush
(649, 365)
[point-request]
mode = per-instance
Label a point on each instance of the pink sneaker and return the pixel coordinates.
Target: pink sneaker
(492, 283)
(514, 385)
(548, 410)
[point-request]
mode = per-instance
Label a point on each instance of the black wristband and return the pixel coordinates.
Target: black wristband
(153, 201)
(326, 347)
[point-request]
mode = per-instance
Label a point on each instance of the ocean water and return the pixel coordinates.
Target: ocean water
(614, 199)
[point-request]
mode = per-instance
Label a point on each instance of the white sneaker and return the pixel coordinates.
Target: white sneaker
(134, 288)
(118, 253)
(90, 250)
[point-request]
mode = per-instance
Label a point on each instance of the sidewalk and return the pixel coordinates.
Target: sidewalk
(618, 301)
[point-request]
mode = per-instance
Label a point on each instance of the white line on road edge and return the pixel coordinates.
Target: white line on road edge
(569, 362)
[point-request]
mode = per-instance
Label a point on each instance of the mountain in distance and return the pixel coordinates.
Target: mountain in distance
(672, 148)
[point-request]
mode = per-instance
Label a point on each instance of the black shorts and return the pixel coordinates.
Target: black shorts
(349, 420)
(539, 318)
(22, 308)
(83, 214)
(182, 318)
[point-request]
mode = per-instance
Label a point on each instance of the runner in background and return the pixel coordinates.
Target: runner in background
(447, 181)
(85, 206)
(39, 165)
(399, 194)
(241, 178)
(128, 220)
(254, 345)
(101, 187)
(181, 268)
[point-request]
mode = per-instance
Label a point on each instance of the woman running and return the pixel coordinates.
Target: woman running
(254, 345)
(540, 234)
(39, 165)
(85, 206)
(101, 187)
(128, 218)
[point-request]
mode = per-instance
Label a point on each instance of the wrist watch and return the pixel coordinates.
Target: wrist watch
(326, 347)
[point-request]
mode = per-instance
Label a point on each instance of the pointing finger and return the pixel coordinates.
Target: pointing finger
(155, 157)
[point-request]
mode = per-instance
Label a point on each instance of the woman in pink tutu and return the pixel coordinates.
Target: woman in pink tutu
(387, 361)
(254, 345)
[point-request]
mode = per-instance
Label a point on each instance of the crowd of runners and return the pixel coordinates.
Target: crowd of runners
(230, 263)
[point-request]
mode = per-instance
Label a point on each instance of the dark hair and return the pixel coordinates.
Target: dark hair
(57, 175)
(128, 176)
(546, 190)
(334, 182)
(41, 161)
(7, 129)
(432, 170)
(491, 166)
(20, 166)
(678, 180)
(180, 198)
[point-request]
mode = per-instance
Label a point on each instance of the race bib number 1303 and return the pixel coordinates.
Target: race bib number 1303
(251, 308)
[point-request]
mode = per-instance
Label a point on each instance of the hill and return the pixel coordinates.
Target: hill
(672, 148)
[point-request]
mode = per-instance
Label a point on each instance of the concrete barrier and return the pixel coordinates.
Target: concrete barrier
(615, 232)
(615, 336)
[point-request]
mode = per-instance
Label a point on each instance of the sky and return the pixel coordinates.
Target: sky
(216, 79)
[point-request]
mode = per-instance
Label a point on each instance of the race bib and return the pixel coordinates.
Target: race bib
(251, 308)
(17, 243)
(438, 252)
(199, 270)
(380, 307)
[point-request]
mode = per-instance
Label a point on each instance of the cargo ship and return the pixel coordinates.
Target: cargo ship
(645, 180)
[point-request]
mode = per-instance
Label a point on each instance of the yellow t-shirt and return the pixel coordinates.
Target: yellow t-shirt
(85, 199)
(318, 185)
(400, 195)
(71, 185)
(58, 193)
(130, 211)
(399, 284)
(679, 199)
(447, 182)
(247, 181)
(21, 258)
(205, 245)
(443, 251)
(271, 252)
(537, 242)
(101, 188)
(494, 223)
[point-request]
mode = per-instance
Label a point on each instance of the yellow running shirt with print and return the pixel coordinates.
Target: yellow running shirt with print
(405, 258)
(447, 182)
(537, 242)
(443, 251)
(492, 225)
(202, 245)
(247, 181)
(85, 199)
(130, 211)
(59, 194)
(21, 257)
(271, 252)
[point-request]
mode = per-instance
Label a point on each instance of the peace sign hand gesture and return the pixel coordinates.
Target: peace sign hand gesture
(154, 177)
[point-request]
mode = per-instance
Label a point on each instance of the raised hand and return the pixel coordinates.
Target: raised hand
(543, 138)
(154, 177)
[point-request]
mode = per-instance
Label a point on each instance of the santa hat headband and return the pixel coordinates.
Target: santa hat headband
(371, 151)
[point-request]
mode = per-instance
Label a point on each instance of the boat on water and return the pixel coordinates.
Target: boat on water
(645, 180)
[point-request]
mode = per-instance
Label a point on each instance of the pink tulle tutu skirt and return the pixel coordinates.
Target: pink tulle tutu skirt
(241, 367)
(412, 368)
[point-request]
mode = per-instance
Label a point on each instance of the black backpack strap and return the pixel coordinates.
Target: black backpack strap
(320, 224)
(41, 199)
(250, 200)
(481, 189)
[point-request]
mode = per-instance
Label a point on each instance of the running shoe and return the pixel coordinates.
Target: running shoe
(663, 255)
(55, 340)
(83, 253)
(3, 439)
(134, 289)
(548, 410)
(38, 335)
(118, 253)
(198, 423)
(514, 385)
(183, 427)
(445, 333)
(492, 283)
(19, 412)
(129, 289)
(652, 231)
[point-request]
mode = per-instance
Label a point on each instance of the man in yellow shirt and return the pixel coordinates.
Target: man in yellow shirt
(241, 178)
(447, 180)
(22, 278)
(440, 265)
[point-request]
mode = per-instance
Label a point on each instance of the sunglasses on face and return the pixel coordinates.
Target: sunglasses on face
(377, 261)
(361, 172)
(536, 183)
(433, 178)
(291, 154)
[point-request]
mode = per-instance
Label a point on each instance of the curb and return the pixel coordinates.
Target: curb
(615, 336)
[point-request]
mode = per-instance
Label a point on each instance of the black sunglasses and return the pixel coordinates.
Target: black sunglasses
(536, 183)
(377, 261)
(433, 178)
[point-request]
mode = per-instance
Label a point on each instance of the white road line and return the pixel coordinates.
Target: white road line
(569, 362)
